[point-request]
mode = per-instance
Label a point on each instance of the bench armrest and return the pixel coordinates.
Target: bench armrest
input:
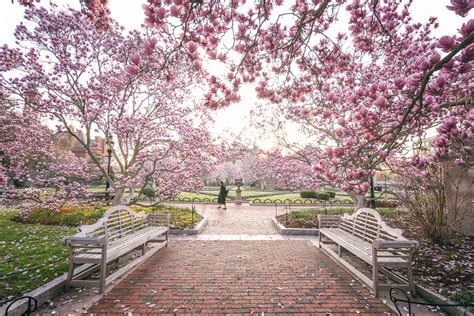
(159, 219)
(395, 244)
(329, 221)
(91, 241)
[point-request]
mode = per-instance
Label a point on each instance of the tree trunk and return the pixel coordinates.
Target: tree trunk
(118, 196)
(360, 201)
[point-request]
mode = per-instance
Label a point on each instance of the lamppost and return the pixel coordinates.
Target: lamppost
(372, 193)
(110, 145)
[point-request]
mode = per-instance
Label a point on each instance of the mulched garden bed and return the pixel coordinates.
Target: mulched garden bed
(446, 269)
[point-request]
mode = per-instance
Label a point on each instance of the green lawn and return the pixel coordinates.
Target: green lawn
(30, 255)
(280, 198)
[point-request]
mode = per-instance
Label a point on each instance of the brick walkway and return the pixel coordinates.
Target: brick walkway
(239, 277)
(237, 219)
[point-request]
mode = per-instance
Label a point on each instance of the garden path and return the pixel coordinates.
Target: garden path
(239, 277)
(238, 265)
(237, 220)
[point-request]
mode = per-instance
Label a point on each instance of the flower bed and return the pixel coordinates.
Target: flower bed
(88, 214)
(445, 269)
(309, 218)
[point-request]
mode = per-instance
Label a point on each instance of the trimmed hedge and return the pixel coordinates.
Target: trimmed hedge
(324, 196)
(309, 194)
(148, 192)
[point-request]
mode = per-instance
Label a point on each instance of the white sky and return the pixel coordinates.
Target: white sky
(234, 119)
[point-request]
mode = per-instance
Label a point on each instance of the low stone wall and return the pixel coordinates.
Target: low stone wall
(294, 231)
(190, 231)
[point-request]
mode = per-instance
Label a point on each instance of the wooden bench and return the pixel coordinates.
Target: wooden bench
(368, 237)
(117, 233)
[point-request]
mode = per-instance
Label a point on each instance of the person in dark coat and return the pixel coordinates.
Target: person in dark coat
(222, 195)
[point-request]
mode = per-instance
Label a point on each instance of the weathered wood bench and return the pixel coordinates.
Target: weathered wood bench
(117, 233)
(367, 236)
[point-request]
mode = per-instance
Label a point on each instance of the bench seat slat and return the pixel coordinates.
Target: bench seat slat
(124, 245)
(358, 247)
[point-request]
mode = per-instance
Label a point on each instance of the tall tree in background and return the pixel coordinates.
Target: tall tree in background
(30, 169)
(127, 88)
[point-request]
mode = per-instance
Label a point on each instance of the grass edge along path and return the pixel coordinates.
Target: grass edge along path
(30, 254)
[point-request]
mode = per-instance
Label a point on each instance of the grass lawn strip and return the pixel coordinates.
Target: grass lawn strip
(192, 195)
(30, 255)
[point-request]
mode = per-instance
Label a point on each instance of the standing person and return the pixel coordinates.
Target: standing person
(222, 195)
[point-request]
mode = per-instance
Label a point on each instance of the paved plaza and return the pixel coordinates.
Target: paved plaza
(239, 265)
(239, 277)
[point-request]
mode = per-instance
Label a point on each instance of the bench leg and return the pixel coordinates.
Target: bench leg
(144, 249)
(70, 271)
(411, 283)
(103, 269)
(167, 238)
(319, 239)
(375, 273)
(339, 248)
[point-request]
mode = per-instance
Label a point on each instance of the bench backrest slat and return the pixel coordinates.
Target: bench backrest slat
(367, 224)
(117, 222)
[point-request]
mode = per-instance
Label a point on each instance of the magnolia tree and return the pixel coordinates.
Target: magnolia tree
(385, 81)
(30, 170)
(131, 89)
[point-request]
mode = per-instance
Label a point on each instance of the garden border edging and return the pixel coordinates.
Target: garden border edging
(294, 231)
(190, 231)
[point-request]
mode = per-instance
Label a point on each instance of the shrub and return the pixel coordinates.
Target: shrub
(309, 195)
(386, 203)
(67, 215)
(433, 198)
(331, 194)
(148, 192)
(324, 196)
(299, 214)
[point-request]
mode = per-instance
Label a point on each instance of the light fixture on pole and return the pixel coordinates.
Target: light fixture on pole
(372, 193)
(110, 145)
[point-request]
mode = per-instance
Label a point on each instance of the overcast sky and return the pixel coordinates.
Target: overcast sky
(234, 119)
